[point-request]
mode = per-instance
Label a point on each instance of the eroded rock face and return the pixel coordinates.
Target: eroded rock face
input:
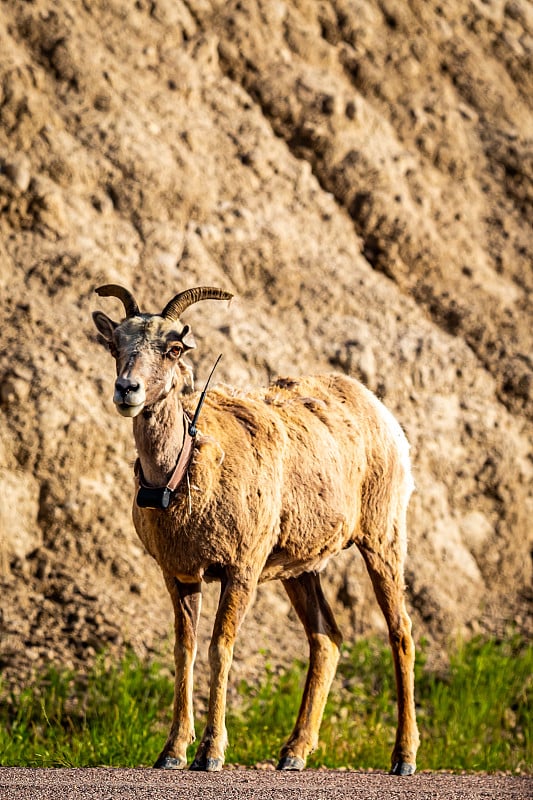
(358, 174)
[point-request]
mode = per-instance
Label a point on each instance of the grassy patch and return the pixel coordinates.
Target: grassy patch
(478, 716)
(110, 717)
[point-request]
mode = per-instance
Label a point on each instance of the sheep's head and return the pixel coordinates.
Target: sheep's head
(148, 348)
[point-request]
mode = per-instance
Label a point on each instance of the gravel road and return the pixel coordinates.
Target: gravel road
(149, 784)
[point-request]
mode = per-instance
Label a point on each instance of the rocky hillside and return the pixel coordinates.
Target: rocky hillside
(358, 173)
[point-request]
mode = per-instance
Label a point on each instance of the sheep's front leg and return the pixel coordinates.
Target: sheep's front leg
(186, 599)
(235, 598)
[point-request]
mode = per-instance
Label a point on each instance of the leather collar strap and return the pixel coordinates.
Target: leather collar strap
(159, 496)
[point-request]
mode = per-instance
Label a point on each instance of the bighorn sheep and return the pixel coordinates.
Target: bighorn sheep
(279, 480)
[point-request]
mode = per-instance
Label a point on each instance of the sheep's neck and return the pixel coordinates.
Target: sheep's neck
(159, 433)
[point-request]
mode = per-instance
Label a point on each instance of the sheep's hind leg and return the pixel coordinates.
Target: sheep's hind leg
(235, 598)
(388, 586)
(305, 593)
(186, 599)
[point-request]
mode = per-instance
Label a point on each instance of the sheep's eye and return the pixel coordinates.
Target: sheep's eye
(175, 351)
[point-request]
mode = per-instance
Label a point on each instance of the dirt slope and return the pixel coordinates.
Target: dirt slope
(359, 174)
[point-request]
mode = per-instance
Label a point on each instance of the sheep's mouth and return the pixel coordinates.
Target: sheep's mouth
(128, 410)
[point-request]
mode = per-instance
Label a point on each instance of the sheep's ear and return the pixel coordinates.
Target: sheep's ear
(187, 338)
(105, 327)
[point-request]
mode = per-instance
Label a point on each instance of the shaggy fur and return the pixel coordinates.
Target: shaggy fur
(281, 480)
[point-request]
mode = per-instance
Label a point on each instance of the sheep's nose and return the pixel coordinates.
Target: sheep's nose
(129, 396)
(125, 386)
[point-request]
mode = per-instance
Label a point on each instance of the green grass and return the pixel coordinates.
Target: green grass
(476, 716)
(112, 716)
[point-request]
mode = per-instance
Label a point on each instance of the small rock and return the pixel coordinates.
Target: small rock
(102, 101)
(17, 170)
(13, 390)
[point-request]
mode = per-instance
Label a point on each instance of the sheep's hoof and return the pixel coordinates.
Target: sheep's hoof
(169, 762)
(403, 768)
(291, 764)
(206, 765)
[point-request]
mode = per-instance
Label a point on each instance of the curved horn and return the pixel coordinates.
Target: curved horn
(183, 300)
(112, 290)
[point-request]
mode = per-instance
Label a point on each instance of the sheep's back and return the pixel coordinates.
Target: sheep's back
(296, 461)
